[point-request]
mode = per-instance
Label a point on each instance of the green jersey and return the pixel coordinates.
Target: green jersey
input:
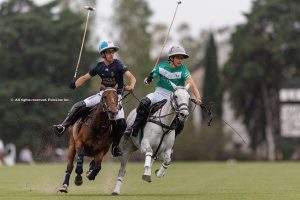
(166, 73)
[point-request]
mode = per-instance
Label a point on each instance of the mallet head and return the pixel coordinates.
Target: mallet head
(89, 8)
(179, 2)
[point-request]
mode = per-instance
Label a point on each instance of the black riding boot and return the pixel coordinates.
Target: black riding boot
(59, 129)
(142, 113)
(118, 129)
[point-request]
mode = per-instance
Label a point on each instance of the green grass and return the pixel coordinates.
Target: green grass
(191, 180)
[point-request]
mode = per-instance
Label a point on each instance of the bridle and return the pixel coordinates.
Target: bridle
(174, 103)
(105, 106)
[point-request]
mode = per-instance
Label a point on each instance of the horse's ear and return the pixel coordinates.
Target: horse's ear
(173, 85)
(187, 86)
(102, 87)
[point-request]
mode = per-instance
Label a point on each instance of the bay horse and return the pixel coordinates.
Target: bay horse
(91, 136)
(158, 136)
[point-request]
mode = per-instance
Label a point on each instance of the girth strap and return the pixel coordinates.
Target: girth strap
(168, 129)
(172, 127)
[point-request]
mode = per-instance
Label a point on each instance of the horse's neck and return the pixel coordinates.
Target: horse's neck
(167, 110)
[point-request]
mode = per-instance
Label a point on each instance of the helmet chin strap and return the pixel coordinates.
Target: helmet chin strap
(171, 59)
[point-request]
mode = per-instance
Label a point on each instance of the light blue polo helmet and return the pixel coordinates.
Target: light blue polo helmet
(105, 44)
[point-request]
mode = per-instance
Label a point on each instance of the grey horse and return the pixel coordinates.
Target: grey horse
(158, 136)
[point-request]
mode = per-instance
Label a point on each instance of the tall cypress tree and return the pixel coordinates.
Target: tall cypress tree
(212, 90)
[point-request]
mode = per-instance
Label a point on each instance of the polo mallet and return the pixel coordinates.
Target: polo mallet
(88, 8)
(167, 36)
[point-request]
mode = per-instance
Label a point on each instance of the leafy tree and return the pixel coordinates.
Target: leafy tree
(265, 54)
(132, 20)
(38, 51)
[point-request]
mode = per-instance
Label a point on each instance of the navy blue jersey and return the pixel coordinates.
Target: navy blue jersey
(111, 74)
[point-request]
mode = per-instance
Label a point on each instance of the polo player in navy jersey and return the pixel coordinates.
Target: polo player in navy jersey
(111, 71)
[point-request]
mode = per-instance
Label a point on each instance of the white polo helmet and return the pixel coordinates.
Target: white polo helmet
(177, 50)
(104, 45)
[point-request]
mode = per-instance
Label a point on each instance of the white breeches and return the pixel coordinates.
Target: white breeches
(159, 94)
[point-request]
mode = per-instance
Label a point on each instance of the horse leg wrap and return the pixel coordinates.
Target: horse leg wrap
(79, 169)
(92, 165)
(161, 172)
(118, 185)
(148, 159)
(92, 174)
(67, 177)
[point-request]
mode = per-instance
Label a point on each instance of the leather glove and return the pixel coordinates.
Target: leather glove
(72, 85)
(149, 79)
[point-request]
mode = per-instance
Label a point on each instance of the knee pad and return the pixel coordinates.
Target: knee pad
(144, 106)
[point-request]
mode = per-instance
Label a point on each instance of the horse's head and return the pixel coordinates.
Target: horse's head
(110, 102)
(180, 101)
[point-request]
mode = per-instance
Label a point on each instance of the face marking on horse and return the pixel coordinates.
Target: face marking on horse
(110, 102)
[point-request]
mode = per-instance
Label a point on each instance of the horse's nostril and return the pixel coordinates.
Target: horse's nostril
(184, 115)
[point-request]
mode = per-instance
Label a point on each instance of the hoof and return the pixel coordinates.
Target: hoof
(146, 178)
(63, 188)
(78, 180)
(115, 194)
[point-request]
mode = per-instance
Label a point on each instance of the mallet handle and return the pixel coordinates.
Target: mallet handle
(82, 43)
(164, 44)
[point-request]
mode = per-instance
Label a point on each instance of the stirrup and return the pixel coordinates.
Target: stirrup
(58, 132)
(128, 132)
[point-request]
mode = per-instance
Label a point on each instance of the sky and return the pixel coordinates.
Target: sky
(199, 14)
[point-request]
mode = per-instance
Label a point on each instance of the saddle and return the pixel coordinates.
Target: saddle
(83, 114)
(82, 117)
(156, 106)
(153, 109)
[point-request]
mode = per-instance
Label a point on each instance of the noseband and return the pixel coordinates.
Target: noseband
(174, 104)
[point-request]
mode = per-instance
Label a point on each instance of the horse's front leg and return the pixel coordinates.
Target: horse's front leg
(128, 149)
(146, 148)
(166, 163)
(71, 155)
(79, 166)
(95, 166)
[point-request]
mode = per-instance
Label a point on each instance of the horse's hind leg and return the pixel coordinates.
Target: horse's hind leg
(78, 179)
(164, 166)
(128, 149)
(71, 155)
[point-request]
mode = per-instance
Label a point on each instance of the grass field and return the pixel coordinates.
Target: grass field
(191, 180)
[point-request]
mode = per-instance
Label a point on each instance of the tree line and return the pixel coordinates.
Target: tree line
(39, 46)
